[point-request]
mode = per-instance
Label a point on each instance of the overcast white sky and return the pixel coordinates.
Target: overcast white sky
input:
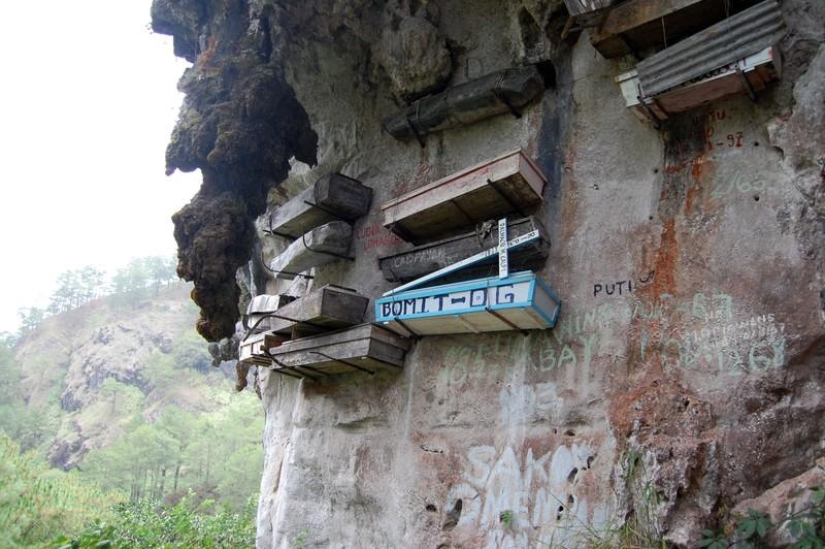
(87, 102)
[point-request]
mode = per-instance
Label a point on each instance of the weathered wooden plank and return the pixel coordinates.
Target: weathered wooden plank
(633, 26)
(253, 349)
(327, 308)
(260, 306)
(365, 346)
(319, 246)
(421, 260)
(508, 183)
(490, 95)
(334, 196)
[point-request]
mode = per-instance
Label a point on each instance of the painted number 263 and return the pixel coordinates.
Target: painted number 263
(737, 184)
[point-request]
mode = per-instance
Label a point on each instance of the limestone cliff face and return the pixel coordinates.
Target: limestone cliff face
(699, 388)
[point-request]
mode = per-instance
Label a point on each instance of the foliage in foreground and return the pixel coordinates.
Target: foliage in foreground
(183, 525)
(806, 528)
(38, 503)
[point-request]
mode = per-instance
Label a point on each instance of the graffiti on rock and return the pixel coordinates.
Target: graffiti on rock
(526, 499)
(622, 287)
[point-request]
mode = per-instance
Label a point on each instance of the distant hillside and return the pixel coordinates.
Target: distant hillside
(122, 389)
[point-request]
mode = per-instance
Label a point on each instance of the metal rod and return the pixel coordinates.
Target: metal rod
(410, 330)
(311, 369)
(747, 84)
(344, 362)
(501, 318)
(333, 254)
(412, 127)
(286, 374)
(649, 112)
(292, 368)
(276, 273)
(499, 94)
(401, 231)
(281, 317)
(326, 210)
(495, 186)
(460, 209)
(467, 324)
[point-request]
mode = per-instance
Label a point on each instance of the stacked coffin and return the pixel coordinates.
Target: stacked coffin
(319, 223)
(734, 56)
(636, 26)
(320, 334)
(508, 184)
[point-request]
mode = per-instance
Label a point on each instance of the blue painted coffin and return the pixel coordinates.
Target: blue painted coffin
(518, 302)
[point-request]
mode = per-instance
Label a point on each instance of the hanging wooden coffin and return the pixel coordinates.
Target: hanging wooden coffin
(425, 259)
(253, 349)
(496, 93)
(519, 302)
(333, 197)
(364, 348)
(713, 49)
(259, 309)
(749, 75)
(318, 247)
(508, 183)
(327, 308)
(635, 25)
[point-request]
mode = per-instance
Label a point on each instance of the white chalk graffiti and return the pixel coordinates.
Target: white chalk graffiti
(524, 500)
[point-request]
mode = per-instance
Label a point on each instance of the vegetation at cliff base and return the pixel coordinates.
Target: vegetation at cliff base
(115, 428)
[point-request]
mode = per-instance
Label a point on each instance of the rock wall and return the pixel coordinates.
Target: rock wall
(686, 372)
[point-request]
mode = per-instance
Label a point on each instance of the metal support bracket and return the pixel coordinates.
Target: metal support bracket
(276, 273)
(496, 187)
(344, 362)
(326, 210)
(280, 317)
(292, 368)
(499, 95)
(332, 254)
(649, 112)
(524, 332)
(404, 325)
(412, 127)
(747, 84)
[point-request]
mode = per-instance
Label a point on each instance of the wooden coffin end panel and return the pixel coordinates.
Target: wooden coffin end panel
(359, 348)
(328, 308)
(333, 197)
(253, 349)
(318, 247)
(346, 198)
